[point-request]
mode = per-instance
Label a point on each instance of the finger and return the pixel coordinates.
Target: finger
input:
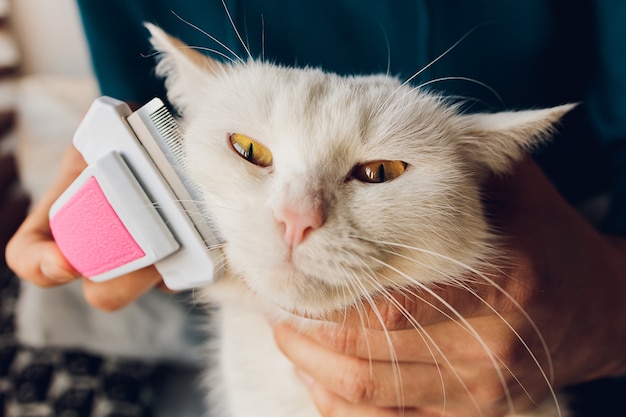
(401, 309)
(411, 345)
(403, 345)
(31, 252)
(362, 381)
(447, 342)
(114, 294)
(417, 387)
(37, 258)
(332, 405)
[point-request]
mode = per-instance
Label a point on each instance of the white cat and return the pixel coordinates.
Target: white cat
(323, 186)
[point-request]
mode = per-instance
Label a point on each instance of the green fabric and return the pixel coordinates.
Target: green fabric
(533, 53)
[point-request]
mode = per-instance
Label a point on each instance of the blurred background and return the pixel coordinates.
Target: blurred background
(50, 37)
(43, 61)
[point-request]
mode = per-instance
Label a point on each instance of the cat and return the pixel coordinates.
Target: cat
(321, 185)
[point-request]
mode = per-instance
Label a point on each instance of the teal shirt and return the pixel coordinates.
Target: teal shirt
(533, 53)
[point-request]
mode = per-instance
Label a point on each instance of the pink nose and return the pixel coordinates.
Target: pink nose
(298, 224)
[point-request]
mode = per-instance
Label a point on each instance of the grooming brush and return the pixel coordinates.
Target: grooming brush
(134, 205)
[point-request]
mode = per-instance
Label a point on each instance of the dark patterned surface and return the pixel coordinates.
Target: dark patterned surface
(56, 383)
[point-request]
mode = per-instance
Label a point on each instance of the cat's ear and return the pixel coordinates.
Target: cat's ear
(497, 140)
(183, 67)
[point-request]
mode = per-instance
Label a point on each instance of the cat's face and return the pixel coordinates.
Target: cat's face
(327, 189)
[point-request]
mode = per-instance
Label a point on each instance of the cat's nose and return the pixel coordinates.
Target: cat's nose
(297, 224)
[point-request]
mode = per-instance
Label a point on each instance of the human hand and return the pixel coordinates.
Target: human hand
(555, 317)
(33, 255)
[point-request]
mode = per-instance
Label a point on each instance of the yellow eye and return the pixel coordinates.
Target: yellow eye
(251, 150)
(379, 171)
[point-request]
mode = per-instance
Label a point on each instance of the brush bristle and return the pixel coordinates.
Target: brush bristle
(171, 136)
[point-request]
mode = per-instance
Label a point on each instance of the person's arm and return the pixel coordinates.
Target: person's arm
(569, 279)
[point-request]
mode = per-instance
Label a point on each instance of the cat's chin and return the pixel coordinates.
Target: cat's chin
(301, 294)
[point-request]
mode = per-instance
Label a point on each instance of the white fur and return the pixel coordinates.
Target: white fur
(319, 126)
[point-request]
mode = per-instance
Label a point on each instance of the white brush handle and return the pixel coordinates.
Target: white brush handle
(105, 131)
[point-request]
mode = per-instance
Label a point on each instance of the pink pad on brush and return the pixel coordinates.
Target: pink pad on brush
(93, 238)
(105, 224)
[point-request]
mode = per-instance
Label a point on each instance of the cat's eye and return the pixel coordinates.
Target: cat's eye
(250, 150)
(379, 171)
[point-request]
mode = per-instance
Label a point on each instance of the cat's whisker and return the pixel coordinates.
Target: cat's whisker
(443, 54)
(459, 78)
(495, 285)
(467, 101)
(547, 377)
(364, 319)
(550, 377)
(213, 51)
(431, 63)
(449, 317)
(221, 260)
(460, 319)
(213, 38)
(355, 287)
(232, 24)
(519, 382)
(526, 347)
(348, 297)
(371, 278)
(392, 352)
(388, 45)
(355, 280)
(429, 342)
(262, 38)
